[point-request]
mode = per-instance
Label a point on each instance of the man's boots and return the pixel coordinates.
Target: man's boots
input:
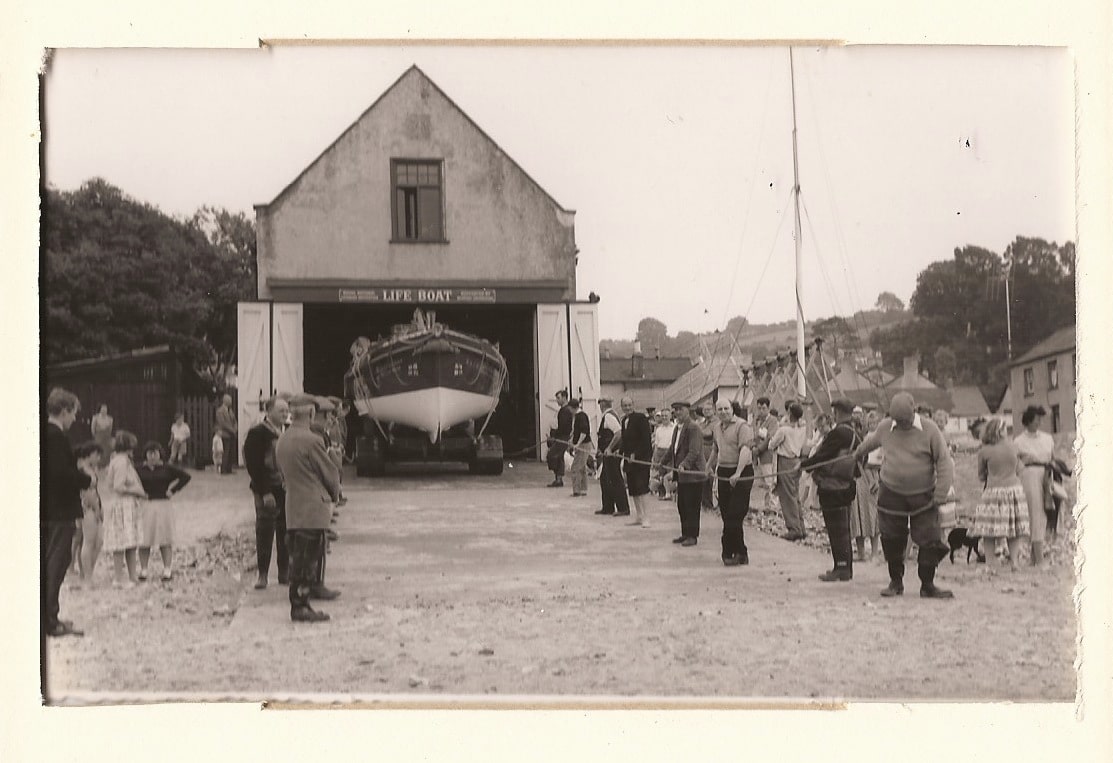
(928, 589)
(894, 556)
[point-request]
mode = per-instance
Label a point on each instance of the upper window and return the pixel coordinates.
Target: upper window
(1029, 382)
(1056, 422)
(1053, 374)
(417, 201)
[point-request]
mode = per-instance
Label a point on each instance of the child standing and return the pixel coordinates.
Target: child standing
(89, 456)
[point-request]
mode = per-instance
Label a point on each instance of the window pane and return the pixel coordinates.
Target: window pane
(429, 203)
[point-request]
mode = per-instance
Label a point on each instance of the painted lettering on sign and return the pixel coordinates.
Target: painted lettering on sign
(423, 295)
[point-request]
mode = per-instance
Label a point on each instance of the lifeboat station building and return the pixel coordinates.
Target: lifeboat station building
(414, 206)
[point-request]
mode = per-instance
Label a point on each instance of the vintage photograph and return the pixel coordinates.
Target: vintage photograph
(444, 374)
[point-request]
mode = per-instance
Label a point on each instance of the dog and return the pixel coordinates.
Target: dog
(959, 537)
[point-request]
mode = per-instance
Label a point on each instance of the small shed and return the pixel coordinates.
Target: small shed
(140, 388)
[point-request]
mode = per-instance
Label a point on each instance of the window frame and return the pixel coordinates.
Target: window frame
(1056, 419)
(1053, 373)
(1029, 381)
(397, 235)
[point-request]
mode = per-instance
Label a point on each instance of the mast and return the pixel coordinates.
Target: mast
(801, 389)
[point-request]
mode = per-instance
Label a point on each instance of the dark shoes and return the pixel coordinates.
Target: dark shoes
(794, 536)
(64, 628)
(307, 615)
(604, 512)
(837, 575)
(323, 594)
(894, 589)
(732, 561)
(933, 592)
(688, 542)
(556, 483)
(332, 534)
(622, 513)
(261, 583)
(283, 578)
(679, 539)
(578, 495)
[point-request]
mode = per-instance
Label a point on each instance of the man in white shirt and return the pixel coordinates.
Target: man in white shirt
(788, 442)
(662, 440)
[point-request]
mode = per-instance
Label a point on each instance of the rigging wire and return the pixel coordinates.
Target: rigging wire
(757, 287)
(742, 239)
(840, 238)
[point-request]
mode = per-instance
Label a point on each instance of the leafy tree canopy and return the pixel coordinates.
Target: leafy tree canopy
(119, 274)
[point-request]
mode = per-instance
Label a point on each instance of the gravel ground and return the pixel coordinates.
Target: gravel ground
(457, 586)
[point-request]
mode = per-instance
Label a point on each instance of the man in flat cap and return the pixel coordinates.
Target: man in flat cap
(685, 457)
(836, 487)
(268, 490)
(558, 437)
(312, 486)
(916, 477)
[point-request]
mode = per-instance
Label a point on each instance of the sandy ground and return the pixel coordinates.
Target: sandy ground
(457, 585)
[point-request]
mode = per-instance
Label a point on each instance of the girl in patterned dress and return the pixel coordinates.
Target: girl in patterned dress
(1002, 511)
(121, 492)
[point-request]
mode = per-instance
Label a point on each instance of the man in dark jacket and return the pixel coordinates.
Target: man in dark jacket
(562, 432)
(685, 456)
(59, 507)
(635, 442)
(226, 426)
(269, 491)
(835, 487)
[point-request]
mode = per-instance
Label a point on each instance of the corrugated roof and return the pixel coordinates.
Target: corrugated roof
(142, 352)
(1061, 341)
(656, 370)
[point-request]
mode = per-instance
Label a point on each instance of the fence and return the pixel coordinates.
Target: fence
(200, 414)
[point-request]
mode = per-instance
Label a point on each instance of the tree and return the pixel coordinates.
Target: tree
(889, 302)
(960, 304)
(838, 333)
(944, 365)
(652, 333)
(119, 274)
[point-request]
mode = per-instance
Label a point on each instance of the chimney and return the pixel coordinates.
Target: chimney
(606, 353)
(911, 370)
(637, 361)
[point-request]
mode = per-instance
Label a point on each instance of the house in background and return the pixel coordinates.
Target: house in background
(969, 405)
(711, 379)
(643, 379)
(1047, 375)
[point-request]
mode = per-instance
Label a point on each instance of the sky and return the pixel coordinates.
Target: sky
(677, 160)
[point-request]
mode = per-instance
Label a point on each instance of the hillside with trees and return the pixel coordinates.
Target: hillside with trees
(119, 274)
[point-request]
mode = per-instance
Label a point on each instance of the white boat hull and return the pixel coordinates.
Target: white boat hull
(430, 410)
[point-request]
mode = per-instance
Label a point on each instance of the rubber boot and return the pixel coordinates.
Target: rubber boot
(893, 549)
(928, 589)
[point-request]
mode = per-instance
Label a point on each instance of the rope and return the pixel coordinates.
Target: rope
(630, 460)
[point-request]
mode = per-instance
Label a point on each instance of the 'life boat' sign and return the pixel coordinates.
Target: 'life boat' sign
(416, 295)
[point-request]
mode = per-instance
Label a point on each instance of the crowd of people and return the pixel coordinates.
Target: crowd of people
(882, 478)
(888, 480)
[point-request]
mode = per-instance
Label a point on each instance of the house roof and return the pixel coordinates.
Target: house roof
(704, 378)
(661, 370)
(416, 71)
(969, 401)
(142, 353)
(879, 398)
(1061, 341)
